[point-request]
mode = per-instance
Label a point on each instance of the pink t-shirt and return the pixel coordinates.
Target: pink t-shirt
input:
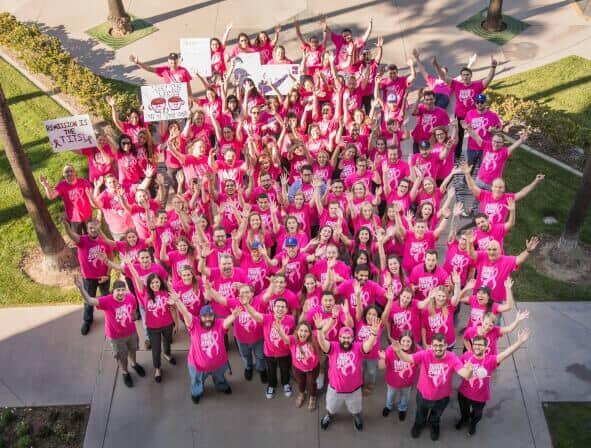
(493, 162)
(477, 388)
(344, 50)
(118, 315)
(491, 337)
(115, 215)
(429, 166)
(477, 312)
(320, 268)
(88, 257)
(405, 319)
(371, 293)
(427, 120)
(223, 285)
(246, 329)
(207, 352)
(176, 261)
(333, 333)
(414, 249)
(274, 346)
(494, 274)
(191, 295)
(169, 76)
(496, 232)
(399, 374)
(345, 373)
(363, 333)
(158, 314)
(495, 209)
(292, 299)
(131, 251)
(295, 269)
(426, 281)
(457, 260)
(76, 202)
(397, 86)
(97, 165)
(437, 322)
(480, 122)
(436, 375)
(258, 272)
(304, 355)
(396, 172)
(140, 220)
(143, 274)
(465, 95)
(438, 85)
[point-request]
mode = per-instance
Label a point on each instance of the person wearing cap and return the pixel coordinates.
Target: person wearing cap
(119, 308)
(171, 73)
(429, 116)
(425, 163)
(483, 122)
(294, 263)
(207, 354)
(345, 369)
(392, 83)
(256, 263)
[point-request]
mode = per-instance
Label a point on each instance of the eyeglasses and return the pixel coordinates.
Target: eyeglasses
(480, 102)
(126, 143)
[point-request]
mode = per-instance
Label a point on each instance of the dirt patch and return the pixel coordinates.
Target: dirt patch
(32, 265)
(44, 427)
(576, 269)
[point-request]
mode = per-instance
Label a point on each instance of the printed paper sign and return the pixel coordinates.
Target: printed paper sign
(165, 102)
(196, 55)
(70, 133)
(280, 75)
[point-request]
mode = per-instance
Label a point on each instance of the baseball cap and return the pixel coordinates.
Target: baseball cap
(391, 98)
(480, 98)
(425, 144)
(206, 311)
(173, 55)
(255, 245)
(291, 242)
(346, 331)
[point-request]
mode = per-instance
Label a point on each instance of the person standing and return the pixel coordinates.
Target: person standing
(119, 308)
(435, 381)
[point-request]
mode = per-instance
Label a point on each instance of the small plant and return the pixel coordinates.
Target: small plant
(59, 429)
(22, 428)
(6, 417)
(53, 416)
(44, 432)
(25, 441)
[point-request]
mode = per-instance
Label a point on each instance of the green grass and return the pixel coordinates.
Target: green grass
(30, 108)
(568, 423)
(474, 25)
(564, 85)
(141, 29)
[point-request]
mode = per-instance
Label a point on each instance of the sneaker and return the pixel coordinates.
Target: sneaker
(139, 370)
(472, 429)
(325, 422)
(386, 412)
(416, 430)
(85, 328)
(248, 374)
(263, 375)
(270, 392)
(401, 415)
(127, 380)
(228, 391)
(147, 344)
(171, 360)
(320, 381)
(358, 422)
(435, 433)
(287, 390)
(195, 399)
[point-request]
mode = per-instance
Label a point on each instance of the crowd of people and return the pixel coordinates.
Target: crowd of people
(294, 223)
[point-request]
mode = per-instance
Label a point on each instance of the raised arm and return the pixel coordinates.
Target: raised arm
(320, 324)
(143, 66)
(254, 313)
(491, 73)
(49, 190)
(71, 234)
(522, 139)
(519, 317)
(530, 246)
(92, 301)
(111, 102)
(368, 31)
(529, 188)
(510, 302)
(475, 189)
(442, 75)
(522, 337)
(174, 300)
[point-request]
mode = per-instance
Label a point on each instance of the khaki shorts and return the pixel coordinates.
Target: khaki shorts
(122, 346)
(335, 400)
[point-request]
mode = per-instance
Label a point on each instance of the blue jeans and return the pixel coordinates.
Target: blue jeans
(441, 100)
(198, 378)
(248, 350)
(370, 367)
(91, 285)
(403, 394)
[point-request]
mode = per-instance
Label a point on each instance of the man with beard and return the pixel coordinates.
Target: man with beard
(475, 392)
(435, 381)
(207, 355)
(370, 292)
(424, 277)
(92, 251)
(486, 232)
(345, 370)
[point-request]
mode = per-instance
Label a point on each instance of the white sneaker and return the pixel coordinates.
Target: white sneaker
(320, 381)
(287, 390)
(270, 392)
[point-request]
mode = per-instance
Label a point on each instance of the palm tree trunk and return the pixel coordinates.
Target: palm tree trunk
(494, 16)
(57, 254)
(119, 19)
(580, 207)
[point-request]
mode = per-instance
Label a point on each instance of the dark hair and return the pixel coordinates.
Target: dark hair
(145, 250)
(306, 167)
(280, 299)
(430, 252)
(119, 284)
(194, 281)
(244, 35)
(480, 215)
(362, 267)
(132, 150)
(489, 302)
(163, 286)
(428, 93)
(371, 307)
(401, 273)
(440, 337)
(355, 257)
(466, 69)
(347, 30)
(369, 242)
(408, 333)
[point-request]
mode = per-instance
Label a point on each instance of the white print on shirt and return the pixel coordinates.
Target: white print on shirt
(210, 343)
(76, 194)
(292, 272)
(427, 122)
(364, 299)
(274, 337)
(402, 368)
(393, 175)
(402, 320)
(123, 315)
(255, 275)
(488, 276)
(466, 97)
(417, 250)
(493, 211)
(459, 262)
(158, 305)
(364, 333)
(489, 161)
(479, 373)
(480, 125)
(180, 264)
(484, 242)
(438, 372)
(225, 290)
(303, 353)
(346, 363)
(437, 324)
(93, 255)
(426, 284)
(189, 297)
(247, 322)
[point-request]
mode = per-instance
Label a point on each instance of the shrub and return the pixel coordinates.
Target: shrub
(44, 432)
(24, 442)
(22, 428)
(6, 417)
(44, 54)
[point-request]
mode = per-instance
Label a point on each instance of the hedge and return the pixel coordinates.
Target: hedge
(44, 54)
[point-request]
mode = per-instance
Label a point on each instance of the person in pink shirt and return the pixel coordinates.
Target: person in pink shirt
(400, 376)
(429, 116)
(171, 73)
(345, 370)
(492, 332)
(474, 392)
(265, 46)
(426, 276)
(482, 303)
(368, 291)
(425, 162)
(483, 122)
(189, 287)
(132, 126)
(363, 331)
(294, 264)
(435, 382)
(92, 252)
(119, 308)
(439, 87)
(110, 204)
(313, 49)
(278, 289)
(393, 84)
(277, 352)
(207, 354)
(75, 192)
(347, 48)
(100, 158)
(485, 232)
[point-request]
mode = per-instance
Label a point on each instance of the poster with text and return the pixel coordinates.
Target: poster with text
(70, 133)
(165, 102)
(196, 55)
(281, 76)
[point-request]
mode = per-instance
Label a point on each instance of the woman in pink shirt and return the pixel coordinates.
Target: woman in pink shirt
(363, 330)
(100, 159)
(491, 331)
(134, 122)
(482, 303)
(265, 46)
(189, 288)
(438, 316)
(176, 260)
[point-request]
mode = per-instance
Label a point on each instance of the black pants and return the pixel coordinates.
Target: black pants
(429, 410)
(160, 338)
(415, 147)
(284, 364)
(460, 144)
(470, 410)
(91, 285)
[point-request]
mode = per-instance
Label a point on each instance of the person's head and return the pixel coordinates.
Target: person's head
(303, 332)
(393, 154)
(93, 228)
(243, 40)
(381, 144)
(310, 283)
(265, 180)
(155, 284)
(229, 158)
(370, 314)
(280, 307)
(364, 236)
(479, 345)
(325, 234)
(392, 71)
(393, 263)
(173, 60)
(279, 283)
(354, 132)
(314, 42)
(405, 297)
(493, 249)
(489, 321)
(299, 199)
(226, 265)
(429, 98)
(440, 134)
(111, 182)
(327, 300)
(420, 228)
(246, 292)
(332, 252)
(262, 38)
(482, 221)
(480, 102)
(362, 274)
(351, 82)
(361, 164)
(232, 103)
(326, 111)
(206, 316)
(403, 187)
(346, 338)
(441, 296)
(407, 342)
(337, 187)
(497, 141)
(291, 224)
(119, 290)
(466, 75)
(425, 211)
(366, 211)
(425, 149)
(144, 258)
(161, 218)
(143, 137)
(279, 53)
(462, 240)
(359, 190)
(366, 55)
(131, 237)
(198, 118)
(361, 257)
(69, 173)
(484, 296)
(498, 187)
(439, 345)
(187, 275)
(214, 44)
(429, 184)
(183, 245)
(306, 173)
(322, 158)
(431, 259)
(254, 221)
(219, 237)
(134, 117)
(347, 35)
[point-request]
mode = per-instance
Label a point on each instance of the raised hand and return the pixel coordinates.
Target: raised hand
(458, 209)
(523, 335)
(522, 315)
(508, 283)
(110, 100)
(532, 243)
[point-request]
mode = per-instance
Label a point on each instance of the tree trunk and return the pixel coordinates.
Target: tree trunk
(119, 19)
(57, 255)
(494, 16)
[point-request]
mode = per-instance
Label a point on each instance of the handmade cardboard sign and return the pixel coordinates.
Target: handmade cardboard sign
(70, 133)
(165, 102)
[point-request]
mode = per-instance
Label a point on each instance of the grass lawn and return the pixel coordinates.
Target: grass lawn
(569, 424)
(30, 107)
